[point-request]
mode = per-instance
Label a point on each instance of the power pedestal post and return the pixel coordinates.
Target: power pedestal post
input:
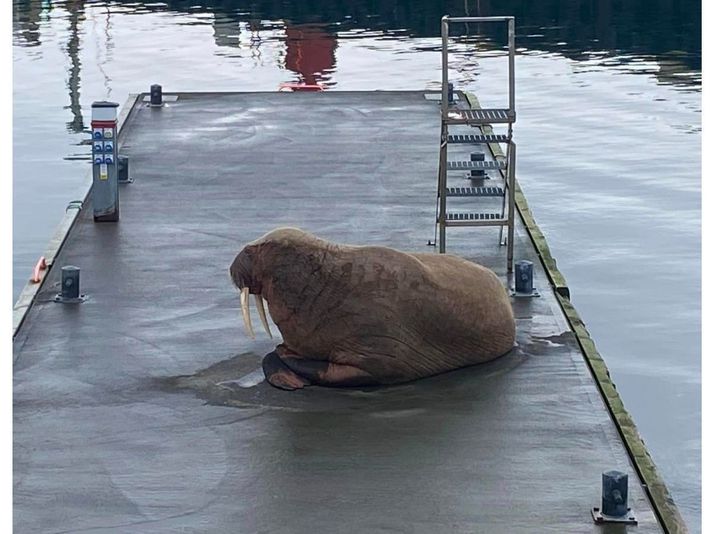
(105, 187)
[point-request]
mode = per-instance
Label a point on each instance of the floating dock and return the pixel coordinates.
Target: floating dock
(142, 408)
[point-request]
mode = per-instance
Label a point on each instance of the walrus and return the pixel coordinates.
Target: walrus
(369, 315)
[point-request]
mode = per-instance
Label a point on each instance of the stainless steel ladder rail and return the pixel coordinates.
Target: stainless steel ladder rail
(481, 118)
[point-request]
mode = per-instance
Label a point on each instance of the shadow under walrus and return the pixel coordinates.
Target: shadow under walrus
(239, 381)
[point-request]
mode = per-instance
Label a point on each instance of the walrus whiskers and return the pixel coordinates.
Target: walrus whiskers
(259, 304)
(245, 308)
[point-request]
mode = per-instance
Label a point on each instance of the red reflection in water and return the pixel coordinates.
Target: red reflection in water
(310, 53)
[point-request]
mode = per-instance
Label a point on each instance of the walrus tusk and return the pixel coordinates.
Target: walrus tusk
(259, 304)
(244, 306)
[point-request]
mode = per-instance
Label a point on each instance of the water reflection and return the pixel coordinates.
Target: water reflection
(666, 30)
(613, 33)
(26, 17)
(226, 32)
(104, 42)
(76, 16)
(310, 52)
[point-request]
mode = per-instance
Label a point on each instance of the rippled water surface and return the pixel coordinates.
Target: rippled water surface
(608, 99)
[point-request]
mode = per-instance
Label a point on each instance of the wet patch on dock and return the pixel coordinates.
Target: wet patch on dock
(239, 381)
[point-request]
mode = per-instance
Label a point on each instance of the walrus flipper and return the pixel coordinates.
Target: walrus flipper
(327, 373)
(280, 375)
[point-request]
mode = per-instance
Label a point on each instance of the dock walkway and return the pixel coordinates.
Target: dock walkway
(127, 415)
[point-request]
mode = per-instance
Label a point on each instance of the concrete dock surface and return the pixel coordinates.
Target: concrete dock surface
(143, 409)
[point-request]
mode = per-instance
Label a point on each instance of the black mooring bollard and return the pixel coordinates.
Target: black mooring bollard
(477, 173)
(70, 282)
(123, 169)
(523, 277)
(615, 493)
(615, 497)
(69, 292)
(156, 95)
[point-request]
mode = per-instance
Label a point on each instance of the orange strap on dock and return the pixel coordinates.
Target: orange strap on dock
(40, 266)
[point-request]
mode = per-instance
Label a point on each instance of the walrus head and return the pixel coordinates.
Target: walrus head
(247, 278)
(275, 257)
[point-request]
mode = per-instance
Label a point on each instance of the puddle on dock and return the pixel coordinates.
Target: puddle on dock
(239, 381)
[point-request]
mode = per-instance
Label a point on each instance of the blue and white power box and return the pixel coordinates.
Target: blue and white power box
(105, 187)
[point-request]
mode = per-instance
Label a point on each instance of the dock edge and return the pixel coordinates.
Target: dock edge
(662, 503)
(75, 205)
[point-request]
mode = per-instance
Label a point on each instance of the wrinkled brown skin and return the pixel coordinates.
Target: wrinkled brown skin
(360, 315)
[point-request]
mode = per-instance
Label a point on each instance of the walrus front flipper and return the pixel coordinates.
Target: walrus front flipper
(327, 373)
(280, 375)
(288, 370)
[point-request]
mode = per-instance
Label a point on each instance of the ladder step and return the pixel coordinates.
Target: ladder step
(475, 219)
(475, 191)
(470, 165)
(478, 139)
(472, 216)
(479, 116)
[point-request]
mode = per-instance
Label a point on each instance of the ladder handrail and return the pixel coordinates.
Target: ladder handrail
(445, 20)
(495, 115)
(503, 18)
(511, 204)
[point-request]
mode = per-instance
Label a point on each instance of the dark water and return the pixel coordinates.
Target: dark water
(608, 98)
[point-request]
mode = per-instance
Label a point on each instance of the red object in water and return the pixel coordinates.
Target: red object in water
(40, 266)
(300, 87)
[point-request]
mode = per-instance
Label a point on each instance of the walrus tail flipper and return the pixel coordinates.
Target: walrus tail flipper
(280, 375)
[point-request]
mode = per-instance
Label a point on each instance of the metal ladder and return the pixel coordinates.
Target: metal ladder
(462, 114)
